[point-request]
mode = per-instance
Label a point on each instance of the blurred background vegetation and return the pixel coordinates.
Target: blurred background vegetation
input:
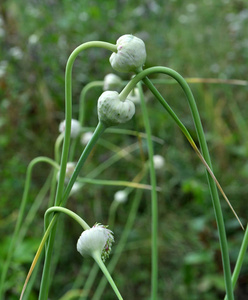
(206, 39)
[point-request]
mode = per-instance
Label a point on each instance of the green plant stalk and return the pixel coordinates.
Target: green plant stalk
(113, 208)
(98, 260)
(203, 144)
(240, 259)
(66, 211)
(121, 244)
(154, 200)
(20, 217)
(68, 108)
(46, 271)
(85, 226)
(65, 150)
(212, 185)
(34, 208)
(82, 98)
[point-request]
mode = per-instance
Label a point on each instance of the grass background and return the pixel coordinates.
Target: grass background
(205, 39)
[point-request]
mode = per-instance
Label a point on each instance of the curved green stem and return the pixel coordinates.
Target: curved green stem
(68, 107)
(82, 98)
(203, 144)
(97, 258)
(66, 211)
(65, 150)
(21, 215)
(45, 276)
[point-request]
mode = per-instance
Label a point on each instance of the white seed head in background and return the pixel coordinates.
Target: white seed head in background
(112, 82)
(86, 137)
(121, 196)
(75, 128)
(159, 162)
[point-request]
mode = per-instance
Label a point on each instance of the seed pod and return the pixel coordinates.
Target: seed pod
(130, 56)
(96, 239)
(112, 111)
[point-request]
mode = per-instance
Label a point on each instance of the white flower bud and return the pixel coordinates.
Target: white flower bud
(86, 137)
(96, 239)
(120, 196)
(70, 167)
(112, 82)
(75, 128)
(158, 161)
(134, 96)
(112, 111)
(131, 54)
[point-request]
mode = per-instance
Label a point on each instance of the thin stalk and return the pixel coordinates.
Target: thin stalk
(98, 260)
(203, 144)
(21, 216)
(66, 211)
(119, 248)
(34, 208)
(45, 276)
(240, 259)
(82, 98)
(154, 200)
(65, 151)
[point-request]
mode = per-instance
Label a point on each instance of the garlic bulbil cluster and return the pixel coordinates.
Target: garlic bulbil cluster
(96, 239)
(112, 111)
(130, 56)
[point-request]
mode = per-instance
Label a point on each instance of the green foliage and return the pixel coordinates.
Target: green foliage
(198, 39)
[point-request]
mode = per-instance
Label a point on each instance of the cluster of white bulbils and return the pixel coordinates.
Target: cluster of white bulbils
(130, 57)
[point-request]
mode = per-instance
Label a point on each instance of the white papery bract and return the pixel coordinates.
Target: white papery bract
(96, 239)
(112, 82)
(130, 56)
(112, 111)
(75, 128)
